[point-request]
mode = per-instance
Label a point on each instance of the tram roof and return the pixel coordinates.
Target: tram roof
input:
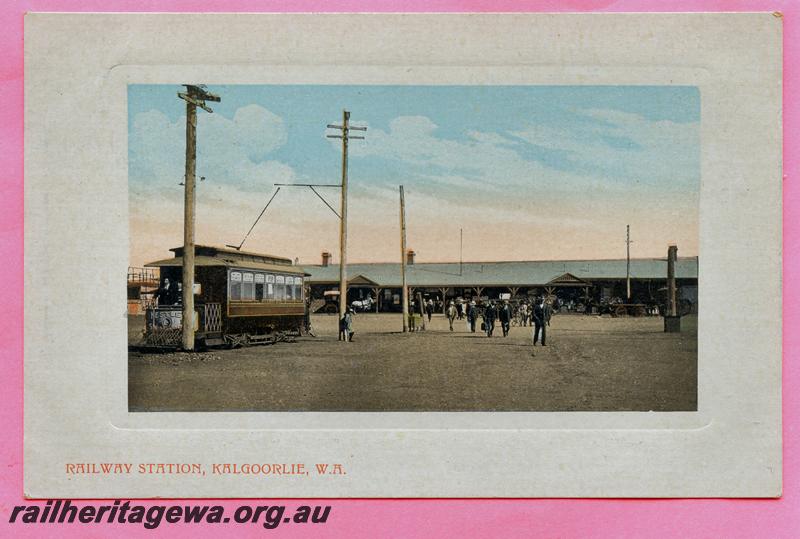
(211, 256)
(236, 254)
(212, 261)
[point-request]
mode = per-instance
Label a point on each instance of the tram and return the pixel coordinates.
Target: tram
(241, 298)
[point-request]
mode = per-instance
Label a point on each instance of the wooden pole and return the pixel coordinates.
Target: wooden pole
(195, 96)
(672, 299)
(343, 221)
(628, 267)
(187, 278)
(403, 285)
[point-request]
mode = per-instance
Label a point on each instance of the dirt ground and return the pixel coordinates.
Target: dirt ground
(590, 364)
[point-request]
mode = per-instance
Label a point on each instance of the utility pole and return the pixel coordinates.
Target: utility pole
(628, 267)
(461, 252)
(672, 299)
(195, 96)
(672, 320)
(403, 259)
(345, 128)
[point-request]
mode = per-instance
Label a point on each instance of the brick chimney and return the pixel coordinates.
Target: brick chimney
(410, 255)
(326, 258)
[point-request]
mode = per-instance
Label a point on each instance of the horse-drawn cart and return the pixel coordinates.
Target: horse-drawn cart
(628, 309)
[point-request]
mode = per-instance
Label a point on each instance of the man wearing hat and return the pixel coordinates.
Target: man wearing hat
(540, 317)
(489, 316)
(505, 317)
(451, 314)
(472, 315)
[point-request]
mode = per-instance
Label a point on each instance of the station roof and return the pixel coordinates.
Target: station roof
(519, 273)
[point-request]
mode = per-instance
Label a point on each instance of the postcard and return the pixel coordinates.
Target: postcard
(403, 255)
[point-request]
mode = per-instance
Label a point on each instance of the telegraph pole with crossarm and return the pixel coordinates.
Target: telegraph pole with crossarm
(345, 128)
(195, 96)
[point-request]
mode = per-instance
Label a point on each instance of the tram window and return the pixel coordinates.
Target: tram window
(280, 287)
(270, 287)
(236, 285)
(260, 286)
(290, 288)
(298, 288)
(248, 287)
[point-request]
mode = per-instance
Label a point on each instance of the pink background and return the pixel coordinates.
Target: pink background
(410, 518)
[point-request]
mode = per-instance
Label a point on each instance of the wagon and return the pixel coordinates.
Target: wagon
(628, 309)
(241, 298)
(331, 298)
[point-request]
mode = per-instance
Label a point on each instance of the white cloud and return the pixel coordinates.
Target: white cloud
(488, 183)
(486, 162)
(229, 151)
(627, 146)
(232, 155)
(491, 138)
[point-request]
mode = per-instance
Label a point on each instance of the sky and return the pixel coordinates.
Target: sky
(528, 172)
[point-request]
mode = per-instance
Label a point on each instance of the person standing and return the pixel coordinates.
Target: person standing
(539, 322)
(505, 317)
(472, 315)
(489, 316)
(549, 309)
(429, 309)
(343, 328)
(348, 325)
(451, 314)
(523, 314)
(167, 294)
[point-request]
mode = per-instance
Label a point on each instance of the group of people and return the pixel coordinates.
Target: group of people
(539, 314)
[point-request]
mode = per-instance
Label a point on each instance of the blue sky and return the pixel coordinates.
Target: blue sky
(579, 160)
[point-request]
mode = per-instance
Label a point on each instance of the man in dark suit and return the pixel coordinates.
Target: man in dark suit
(167, 294)
(489, 316)
(472, 315)
(505, 317)
(541, 316)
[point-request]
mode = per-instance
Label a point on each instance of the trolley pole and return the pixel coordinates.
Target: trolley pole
(195, 96)
(345, 136)
(403, 259)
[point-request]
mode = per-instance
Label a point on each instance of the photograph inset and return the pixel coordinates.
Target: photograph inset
(501, 248)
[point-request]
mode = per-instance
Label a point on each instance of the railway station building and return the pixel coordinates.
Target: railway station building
(569, 280)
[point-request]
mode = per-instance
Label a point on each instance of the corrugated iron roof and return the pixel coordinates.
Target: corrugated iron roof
(520, 273)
